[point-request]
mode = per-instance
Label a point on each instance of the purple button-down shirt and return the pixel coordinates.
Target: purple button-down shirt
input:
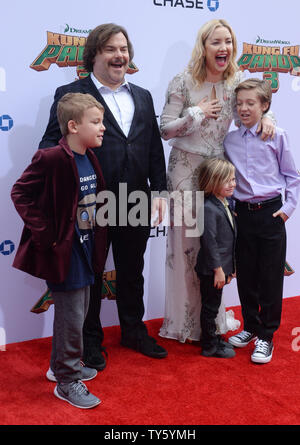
(264, 169)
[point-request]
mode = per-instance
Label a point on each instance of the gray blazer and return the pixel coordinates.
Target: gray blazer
(217, 243)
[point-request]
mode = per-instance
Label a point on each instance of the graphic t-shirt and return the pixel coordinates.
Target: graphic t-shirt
(81, 271)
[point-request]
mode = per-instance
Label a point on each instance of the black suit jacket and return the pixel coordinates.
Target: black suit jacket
(217, 243)
(137, 159)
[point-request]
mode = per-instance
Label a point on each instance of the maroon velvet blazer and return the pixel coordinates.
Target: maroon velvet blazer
(46, 198)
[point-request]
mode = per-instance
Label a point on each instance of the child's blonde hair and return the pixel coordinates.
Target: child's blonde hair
(263, 89)
(72, 107)
(213, 173)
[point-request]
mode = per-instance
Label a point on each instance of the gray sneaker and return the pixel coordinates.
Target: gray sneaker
(219, 352)
(77, 394)
(86, 374)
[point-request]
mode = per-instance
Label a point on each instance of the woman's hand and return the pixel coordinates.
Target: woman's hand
(211, 108)
(158, 209)
(267, 128)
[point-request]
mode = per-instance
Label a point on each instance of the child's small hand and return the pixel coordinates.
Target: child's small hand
(281, 214)
(220, 279)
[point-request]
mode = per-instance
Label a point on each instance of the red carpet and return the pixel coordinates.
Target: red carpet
(183, 389)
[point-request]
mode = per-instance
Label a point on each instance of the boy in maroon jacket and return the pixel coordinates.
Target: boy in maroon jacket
(61, 242)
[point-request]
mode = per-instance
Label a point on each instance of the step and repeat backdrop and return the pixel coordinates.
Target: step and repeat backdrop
(41, 48)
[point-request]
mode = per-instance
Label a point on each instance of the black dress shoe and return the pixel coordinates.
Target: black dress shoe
(146, 345)
(93, 358)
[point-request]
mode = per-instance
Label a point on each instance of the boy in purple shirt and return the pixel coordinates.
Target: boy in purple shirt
(264, 169)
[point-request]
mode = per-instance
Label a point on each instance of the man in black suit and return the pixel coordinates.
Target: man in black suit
(132, 154)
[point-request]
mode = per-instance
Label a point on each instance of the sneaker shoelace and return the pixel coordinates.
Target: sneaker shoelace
(244, 335)
(79, 387)
(262, 347)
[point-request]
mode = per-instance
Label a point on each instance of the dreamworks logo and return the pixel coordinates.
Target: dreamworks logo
(2, 79)
(76, 30)
(2, 339)
(272, 42)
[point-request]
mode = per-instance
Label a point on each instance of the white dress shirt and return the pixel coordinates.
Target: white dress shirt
(120, 103)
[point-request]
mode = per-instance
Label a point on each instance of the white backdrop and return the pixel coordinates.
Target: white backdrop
(163, 33)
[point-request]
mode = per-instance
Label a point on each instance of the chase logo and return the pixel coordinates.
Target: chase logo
(213, 5)
(6, 122)
(7, 247)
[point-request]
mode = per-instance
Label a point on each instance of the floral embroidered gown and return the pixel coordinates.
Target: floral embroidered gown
(193, 138)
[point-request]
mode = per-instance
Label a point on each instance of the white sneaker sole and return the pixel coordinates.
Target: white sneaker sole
(97, 402)
(262, 359)
(239, 344)
(50, 376)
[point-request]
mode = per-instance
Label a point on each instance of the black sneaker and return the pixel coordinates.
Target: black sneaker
(263, 351)
(242, 339)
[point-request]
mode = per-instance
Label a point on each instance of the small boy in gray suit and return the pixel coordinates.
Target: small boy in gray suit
(215, 262)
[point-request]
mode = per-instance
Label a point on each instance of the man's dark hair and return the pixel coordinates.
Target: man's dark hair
(97, 39)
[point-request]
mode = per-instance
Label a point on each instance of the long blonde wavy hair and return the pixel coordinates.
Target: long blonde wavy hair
(197, 65)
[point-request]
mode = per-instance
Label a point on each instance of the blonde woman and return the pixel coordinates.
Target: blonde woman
(198, 112)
